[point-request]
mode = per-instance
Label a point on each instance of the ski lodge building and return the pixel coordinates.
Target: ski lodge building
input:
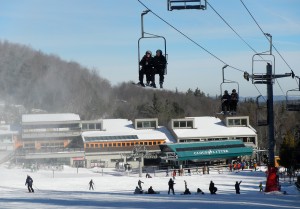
(209, 139)
(50, 138)
(110, 142)
(119, 139)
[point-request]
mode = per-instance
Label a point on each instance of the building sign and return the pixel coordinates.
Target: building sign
(211, 152)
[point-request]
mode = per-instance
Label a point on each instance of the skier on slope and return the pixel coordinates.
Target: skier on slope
(29, 183)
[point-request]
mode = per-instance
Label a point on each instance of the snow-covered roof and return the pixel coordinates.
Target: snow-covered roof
(30, 118)
(213, 127)
(124, 127)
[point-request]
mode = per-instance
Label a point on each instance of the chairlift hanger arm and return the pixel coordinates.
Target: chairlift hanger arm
(283, 75)
(153, 35)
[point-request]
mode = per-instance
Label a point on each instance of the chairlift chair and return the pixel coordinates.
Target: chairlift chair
(261, 113)
(150, 36)
(186, 4)
(293, 97)
(164, 48)
(261, 77)
(292, 100)
(225, 83)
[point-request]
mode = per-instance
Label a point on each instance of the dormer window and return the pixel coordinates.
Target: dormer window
(237, 121)
(183, 123)
(91, 125)
(146, 123)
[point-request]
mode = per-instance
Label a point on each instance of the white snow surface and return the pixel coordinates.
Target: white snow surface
(114, 189)
(59, 117)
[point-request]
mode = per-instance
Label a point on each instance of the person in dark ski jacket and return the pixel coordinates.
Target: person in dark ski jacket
(237, 187)
(29, 183)
(159, 63)
(171, 186)
(91, 183)
(212, 188)
(138, 191)
(225, 99)
(146, 64)
(234, 99)
(151, 191)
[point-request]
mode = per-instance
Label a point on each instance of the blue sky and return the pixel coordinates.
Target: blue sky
(103, 35)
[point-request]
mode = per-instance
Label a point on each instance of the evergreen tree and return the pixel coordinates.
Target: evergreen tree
(287, 152)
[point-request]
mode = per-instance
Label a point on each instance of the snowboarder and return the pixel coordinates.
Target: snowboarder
(237, 187)
(91, 183)
(140, 184)
(186, 191)
(212, 188)
(138, 191)
(151, 191)
(29, 183)
(171, 186)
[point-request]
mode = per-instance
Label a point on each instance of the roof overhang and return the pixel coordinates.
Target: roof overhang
(208, 150)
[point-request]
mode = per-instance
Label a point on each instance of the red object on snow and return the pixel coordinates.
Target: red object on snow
(272, 180)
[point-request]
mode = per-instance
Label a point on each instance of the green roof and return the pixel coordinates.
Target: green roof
(208, 150)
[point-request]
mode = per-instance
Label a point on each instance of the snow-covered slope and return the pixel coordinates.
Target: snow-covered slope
(113, 189)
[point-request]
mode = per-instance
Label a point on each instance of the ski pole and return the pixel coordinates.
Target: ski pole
(36, 187)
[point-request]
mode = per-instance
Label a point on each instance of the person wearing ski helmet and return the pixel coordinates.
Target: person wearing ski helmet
(234, 99)
(159, 63)
(146, 68)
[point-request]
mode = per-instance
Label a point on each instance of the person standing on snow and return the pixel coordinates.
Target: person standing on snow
(29, 183)
(237, 187)
(91, 183)
(171, 186)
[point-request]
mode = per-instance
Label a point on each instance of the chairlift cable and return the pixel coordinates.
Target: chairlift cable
(297, 80)
(260, 92)
(265, 34)
(233, 30)
(242, 39)
(186, 36)
(190, 39)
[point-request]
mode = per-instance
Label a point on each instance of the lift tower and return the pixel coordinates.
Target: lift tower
(268, 79)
